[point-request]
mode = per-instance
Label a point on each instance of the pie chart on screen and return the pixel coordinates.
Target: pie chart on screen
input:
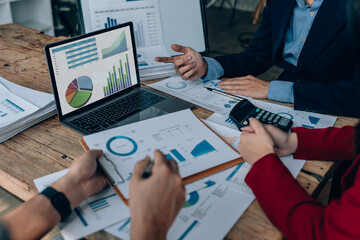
(79, 91)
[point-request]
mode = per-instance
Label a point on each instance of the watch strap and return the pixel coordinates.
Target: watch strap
(59, 201)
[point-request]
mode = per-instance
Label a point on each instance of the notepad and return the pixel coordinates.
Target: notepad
(181, 136)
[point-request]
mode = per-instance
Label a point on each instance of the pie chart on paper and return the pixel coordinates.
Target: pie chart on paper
(79, 91)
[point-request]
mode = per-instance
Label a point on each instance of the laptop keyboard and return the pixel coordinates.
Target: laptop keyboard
(116, 111)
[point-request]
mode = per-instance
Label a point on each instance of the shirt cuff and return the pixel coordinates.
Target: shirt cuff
(281, 91)
(215, 70)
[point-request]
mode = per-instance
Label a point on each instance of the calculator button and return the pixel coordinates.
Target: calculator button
(260, 114)
(245, 122)
(258, 110)
(271, 117)
(276, 119)
(284, 122)
(266, 115)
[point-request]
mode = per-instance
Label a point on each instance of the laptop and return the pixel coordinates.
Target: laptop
(96, 82)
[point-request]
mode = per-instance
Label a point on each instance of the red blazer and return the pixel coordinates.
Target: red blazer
(291, 208)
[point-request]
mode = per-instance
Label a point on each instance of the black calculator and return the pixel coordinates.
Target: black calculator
(245, 110)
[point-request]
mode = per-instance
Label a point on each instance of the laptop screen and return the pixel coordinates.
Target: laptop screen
(93, 68)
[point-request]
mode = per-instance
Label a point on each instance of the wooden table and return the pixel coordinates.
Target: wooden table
(49, 147)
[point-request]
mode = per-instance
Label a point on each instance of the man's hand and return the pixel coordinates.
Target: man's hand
(156, 201)
(256, 143)
(248, 86)
(82, 180)
(37, 216)
(285, 143)
(190, 66)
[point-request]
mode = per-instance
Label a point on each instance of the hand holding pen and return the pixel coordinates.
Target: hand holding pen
(157, 198)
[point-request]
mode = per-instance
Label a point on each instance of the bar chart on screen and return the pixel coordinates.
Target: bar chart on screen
(119, 78)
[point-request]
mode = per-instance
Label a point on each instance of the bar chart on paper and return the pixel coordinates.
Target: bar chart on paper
(96, 208)
(180, 136)
(143, 14)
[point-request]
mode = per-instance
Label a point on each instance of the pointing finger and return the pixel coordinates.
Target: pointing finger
(166, 59)
(179, 48)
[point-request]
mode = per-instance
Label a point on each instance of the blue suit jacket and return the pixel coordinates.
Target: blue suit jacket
(324, 79)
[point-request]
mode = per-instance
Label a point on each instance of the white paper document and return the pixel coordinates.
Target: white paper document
(149, 68)
(194, 92)
(300, 118)
(12, 107)
(235, 176)
(180, 136)
(211, 208)
(94, 214)
(21, 108)
(144, 14)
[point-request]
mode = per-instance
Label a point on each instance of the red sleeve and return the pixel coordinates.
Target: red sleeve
(297, 214)
(325, 144)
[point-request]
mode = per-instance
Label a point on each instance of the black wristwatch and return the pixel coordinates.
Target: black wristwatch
(59, 202)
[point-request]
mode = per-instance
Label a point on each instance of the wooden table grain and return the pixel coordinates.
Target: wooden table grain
(49, 146)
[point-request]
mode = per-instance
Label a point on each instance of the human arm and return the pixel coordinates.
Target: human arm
(339, 98)
(295, 212)
(310, 144)
(37, 216)
(284, 201)
(190, 65)
(156, 201)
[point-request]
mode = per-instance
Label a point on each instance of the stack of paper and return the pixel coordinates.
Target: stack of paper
(21, 108)
(149, 68)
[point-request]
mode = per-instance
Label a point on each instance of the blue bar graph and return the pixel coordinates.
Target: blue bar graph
(124, 225)
(15, 108)
(234, 172)
(202, 148)
(307, 126)
(178, 155)
(111, 22)
(228, 120)
(100, 203)
(188, 230)
(314, 120)
(79, 213)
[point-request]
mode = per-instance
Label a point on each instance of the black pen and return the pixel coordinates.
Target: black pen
(147, 172)
(229, 95)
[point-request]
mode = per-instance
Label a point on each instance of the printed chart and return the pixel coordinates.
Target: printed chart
(92, 215)
(195, 92)
(210, 210)
(79, 91)
(180, 136)
(144, 15)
